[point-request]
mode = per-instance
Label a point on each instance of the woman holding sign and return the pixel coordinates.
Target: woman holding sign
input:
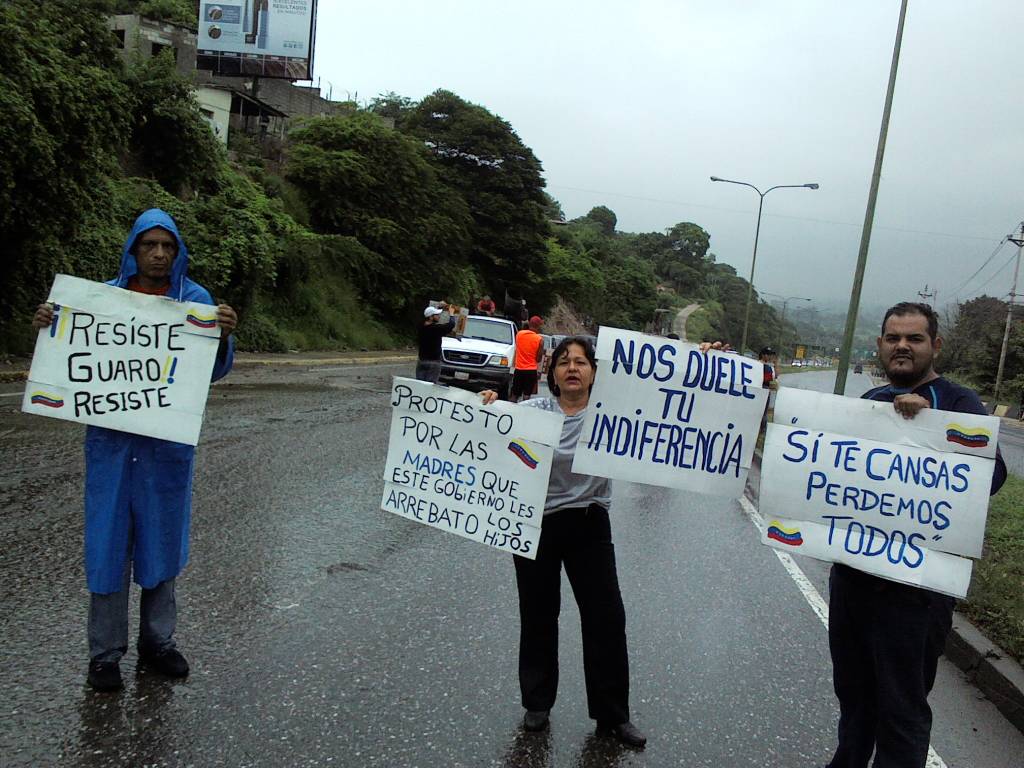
(577, 533)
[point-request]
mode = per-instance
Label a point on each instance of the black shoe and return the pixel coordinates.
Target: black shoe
(105, 676)
(536, 720)
(168, 662)
(626, 733)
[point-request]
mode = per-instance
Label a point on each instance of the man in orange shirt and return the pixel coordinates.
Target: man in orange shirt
(529, 352)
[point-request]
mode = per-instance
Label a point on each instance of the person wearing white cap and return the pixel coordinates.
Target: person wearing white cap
(428, 367)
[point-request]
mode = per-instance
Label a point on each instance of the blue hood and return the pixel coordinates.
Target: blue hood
(155, 217)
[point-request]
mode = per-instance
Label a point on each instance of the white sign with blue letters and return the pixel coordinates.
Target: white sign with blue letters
(663, 413)
(480, 472)
(909, 507)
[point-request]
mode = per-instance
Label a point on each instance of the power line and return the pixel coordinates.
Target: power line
(996, 273)
(767, 215)
(1007, 238)
(978, 271)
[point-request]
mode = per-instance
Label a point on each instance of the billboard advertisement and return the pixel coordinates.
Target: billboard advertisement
(264, 38)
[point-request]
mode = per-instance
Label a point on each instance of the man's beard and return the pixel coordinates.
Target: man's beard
(906, 377)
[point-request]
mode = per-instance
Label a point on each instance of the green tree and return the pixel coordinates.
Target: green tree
(552, 208)
(170, 140)
(972, 346)
(392, 105)
(605, 218)
(185, 12)
(66, 113)
(363, 180)
(483, 158)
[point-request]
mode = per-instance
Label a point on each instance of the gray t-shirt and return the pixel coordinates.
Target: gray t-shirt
(566, 489)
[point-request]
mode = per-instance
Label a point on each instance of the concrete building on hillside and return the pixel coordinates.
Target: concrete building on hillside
(260, 108)
(139, 36)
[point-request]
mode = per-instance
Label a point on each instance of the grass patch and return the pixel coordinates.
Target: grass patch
(995, 601)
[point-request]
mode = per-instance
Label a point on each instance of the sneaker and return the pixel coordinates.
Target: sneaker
(536, 720)
(168, 662)
(626, 733)
(105, 676)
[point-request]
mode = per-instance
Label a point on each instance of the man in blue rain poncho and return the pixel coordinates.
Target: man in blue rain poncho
(138, 490)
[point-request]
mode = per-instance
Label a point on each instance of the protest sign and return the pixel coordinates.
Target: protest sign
(477, 471)
(124, 360)
(901, 499)
(664, 413)
(968, 433)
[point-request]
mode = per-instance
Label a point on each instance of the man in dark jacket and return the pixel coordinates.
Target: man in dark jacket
(886, 637)
(428, 367)
(138, 489)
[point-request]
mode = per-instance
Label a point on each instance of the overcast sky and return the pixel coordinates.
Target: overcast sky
(635, 104)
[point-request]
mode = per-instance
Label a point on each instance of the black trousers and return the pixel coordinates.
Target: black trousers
(582, 540)
(885, 639)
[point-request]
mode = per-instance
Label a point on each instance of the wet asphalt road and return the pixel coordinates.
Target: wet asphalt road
(322, 631)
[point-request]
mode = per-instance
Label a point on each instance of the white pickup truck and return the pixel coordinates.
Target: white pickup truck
(483, 358)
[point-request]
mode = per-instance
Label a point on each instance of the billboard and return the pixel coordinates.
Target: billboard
(264, 38)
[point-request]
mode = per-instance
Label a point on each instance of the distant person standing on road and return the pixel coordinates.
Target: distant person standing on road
(576, 533)
(529, 354)
(138, 489)
(766, 357)
(428, 366)
(885, 637)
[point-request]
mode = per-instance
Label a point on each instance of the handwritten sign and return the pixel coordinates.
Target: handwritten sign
(664, 413)
(124, 360)
(906, 501)
(477, 471)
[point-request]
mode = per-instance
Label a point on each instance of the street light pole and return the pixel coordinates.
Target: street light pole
(782, 322)
(1019, 242)
(757, 234)
(869, 214)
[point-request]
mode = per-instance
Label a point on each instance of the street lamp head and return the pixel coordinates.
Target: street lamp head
(811, 186)
(715, 178)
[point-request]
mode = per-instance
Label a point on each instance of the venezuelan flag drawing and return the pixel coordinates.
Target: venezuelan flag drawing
(972, 438)
(518, 447)
(45, 398)
(201, 321)
(789, 536)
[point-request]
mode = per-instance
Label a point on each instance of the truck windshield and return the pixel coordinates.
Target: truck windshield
(487, 330)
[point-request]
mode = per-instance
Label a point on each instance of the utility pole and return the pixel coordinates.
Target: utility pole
(925, 295)
(1017, 240)
(869, 214)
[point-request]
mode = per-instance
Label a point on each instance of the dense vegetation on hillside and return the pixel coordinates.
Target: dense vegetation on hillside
(339, 247)
(368, 216)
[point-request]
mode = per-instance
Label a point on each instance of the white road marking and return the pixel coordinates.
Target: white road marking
(811, 594)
